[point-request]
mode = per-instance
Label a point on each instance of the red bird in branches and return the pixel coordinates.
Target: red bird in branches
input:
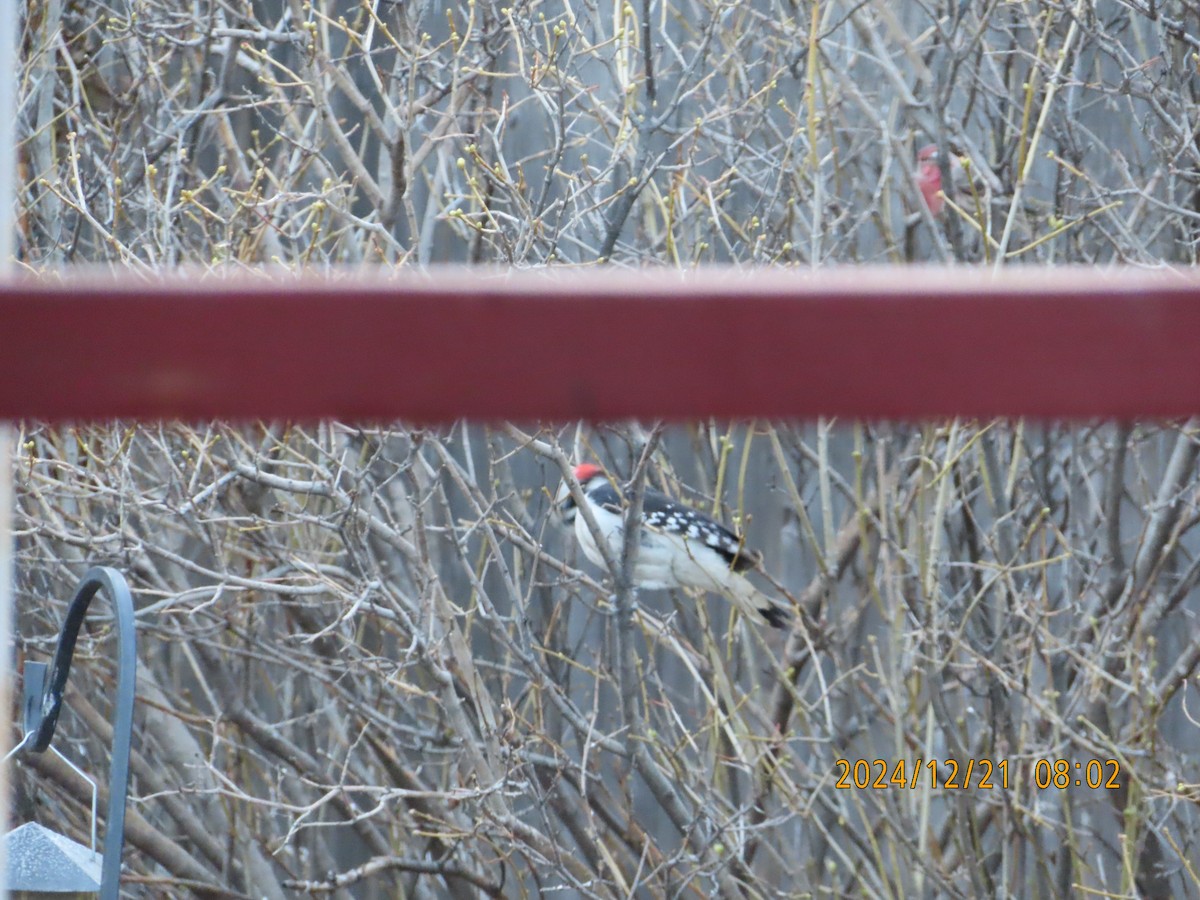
(929, 178)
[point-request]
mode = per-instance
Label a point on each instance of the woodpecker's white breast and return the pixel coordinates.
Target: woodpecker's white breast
(611, 527)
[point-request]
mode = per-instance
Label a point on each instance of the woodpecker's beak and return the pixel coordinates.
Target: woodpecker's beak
(564, 505)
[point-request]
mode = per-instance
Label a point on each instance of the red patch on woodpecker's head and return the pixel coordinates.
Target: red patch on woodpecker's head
(927, 152)
(586, 472)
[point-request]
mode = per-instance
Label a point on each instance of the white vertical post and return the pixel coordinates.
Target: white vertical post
(9, 26)
(6, 619)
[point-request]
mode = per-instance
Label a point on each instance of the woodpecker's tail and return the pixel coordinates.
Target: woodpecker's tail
(754, 603)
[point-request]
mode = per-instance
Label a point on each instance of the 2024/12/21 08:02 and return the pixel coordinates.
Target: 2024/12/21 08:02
(980, 773)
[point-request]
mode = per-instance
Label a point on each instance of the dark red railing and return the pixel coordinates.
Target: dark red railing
(604, 344)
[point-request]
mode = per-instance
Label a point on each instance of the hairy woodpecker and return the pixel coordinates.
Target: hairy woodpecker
(678, 547)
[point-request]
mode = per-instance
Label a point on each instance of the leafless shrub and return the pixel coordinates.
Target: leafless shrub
(321, 132)
(371, 663)
(370, 657)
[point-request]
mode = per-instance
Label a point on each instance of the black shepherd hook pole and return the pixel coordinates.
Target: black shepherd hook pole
(44, 695)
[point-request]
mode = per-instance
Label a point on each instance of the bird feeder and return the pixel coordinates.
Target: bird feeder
(41, 862)
(44, 863)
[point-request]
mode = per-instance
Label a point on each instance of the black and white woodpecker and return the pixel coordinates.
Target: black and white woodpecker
(678, 546)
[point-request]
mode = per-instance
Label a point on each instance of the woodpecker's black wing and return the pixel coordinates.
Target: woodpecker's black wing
(662, 513)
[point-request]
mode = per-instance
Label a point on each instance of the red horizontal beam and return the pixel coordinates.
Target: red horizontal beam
(604, 344)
